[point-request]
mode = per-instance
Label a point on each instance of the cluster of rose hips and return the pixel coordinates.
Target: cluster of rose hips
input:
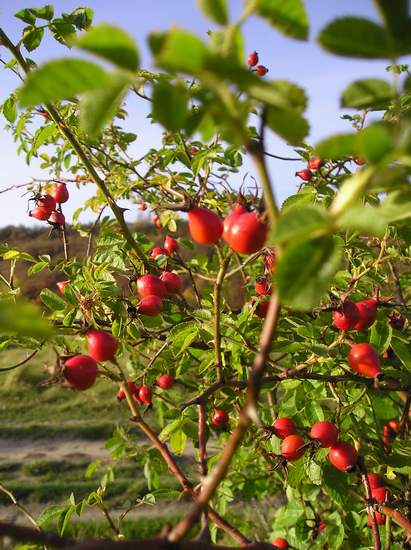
(357, 316)
(45, 209)
(153, 289)
(243, 230)
(80, 371)
(315, 164)
(362, 358)
(323, 434)
(262, 286)
(155, 218)
(143, 394)
(307, 173)
(252, 62)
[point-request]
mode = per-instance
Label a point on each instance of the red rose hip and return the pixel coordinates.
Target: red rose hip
(252, 59)
(170, 244)
(172, 281)
(220, 418)
(247, 233)
(367, 310)
(261, 70)
(305, 174)
(158, 251)
(364, 359)
(343, 456)
(324, 432)
(205, 226)
(149, 285)
(292, 447)
(347, 316)
(145, 395)
(283, 427)
(56, 218)
(39, 213)
(80, 372)
(61, 285)
(60, 193)
(165, 381)
(280, 543)
(151, 305)
(47, 202)
(101, 345)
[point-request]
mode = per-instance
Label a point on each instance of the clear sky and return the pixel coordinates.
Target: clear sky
(323, 76)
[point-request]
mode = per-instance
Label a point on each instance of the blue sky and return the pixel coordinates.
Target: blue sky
(323, 76)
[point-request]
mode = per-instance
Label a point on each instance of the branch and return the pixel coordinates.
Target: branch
(29, 534)
(247, 414)
(26, 534)
(296, 374)
(395, 516)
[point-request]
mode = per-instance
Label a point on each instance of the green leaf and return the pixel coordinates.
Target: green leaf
(32, 37)
(364, 219)
(306, 196)
(170, 51)
(336, 147)
(371, 93)
(47, 12)
(294, 95)
(288, 17)
(178, 441)
(299, 224)
(288, 124)
(81, 17)
(52, 300)
(98, 107)
(61, 79)
(396, 16)
(305, 271)
(355, 37)
(9, 109)
(374, 142)
(216, 10)
(397, 206)
(111, 43)
(401, 350)
(170, 104)
(26, 15)
(381, 334)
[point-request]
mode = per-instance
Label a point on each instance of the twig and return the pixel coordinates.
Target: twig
(369, 502)
(92, 230)
(24, 361)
